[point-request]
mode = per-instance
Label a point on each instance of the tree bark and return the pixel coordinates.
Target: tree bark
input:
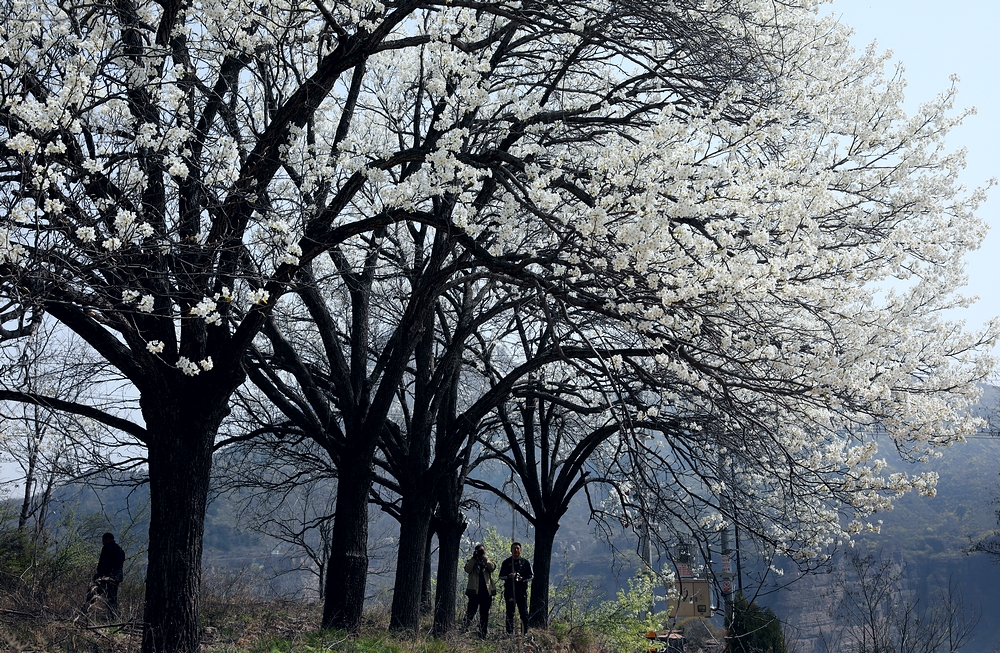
(347, 570)
(425, 586)
(415, 517)
(545, 535)
(451, 527)
(182, 427)
(29, 486)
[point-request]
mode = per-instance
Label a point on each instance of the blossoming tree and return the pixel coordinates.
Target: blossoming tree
(738, 196)
(153, 202)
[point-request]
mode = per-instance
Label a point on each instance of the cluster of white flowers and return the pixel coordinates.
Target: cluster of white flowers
(144, 303)
(207, 309)
(190, 368)
(259, 296)
(22, 143)
(9, 251)
(283, 237)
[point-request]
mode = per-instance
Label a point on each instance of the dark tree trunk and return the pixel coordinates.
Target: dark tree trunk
(182, 428)
(417, 488)
(29, 487)
(545, 535)
(425, 587)
(347, 569)
(449, 548)
(415, 517)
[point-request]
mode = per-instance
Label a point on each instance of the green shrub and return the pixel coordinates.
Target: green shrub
(754, 629)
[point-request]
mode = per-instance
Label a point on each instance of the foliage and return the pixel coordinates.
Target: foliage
(37, 566)
(571, 603)
(622, 623)
(754, 629)
(15, 555)
(498, 545)
(53, 568)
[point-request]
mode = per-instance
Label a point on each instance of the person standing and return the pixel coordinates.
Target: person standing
(481, 588)
(516, 572)
(110, 572)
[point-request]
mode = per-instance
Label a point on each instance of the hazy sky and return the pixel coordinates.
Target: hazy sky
(934, 40)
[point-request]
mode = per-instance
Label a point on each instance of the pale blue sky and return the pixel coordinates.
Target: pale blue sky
(934, 40)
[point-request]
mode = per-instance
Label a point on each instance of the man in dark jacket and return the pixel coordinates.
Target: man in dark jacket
(110, 572)
(516, 572)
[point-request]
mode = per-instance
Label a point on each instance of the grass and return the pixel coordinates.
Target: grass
(50, 617)
(245, 626)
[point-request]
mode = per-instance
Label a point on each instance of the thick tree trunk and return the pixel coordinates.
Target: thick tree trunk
(450, 525)
(182, 426)
(414, 524)
(541, 566)
(347, 569)
(449, 550)
(418, 492)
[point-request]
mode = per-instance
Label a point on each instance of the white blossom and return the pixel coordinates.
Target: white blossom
(54, 206)
(204, 308)
(176, 166)
(22, 143)
(207, 309)
(9, 251)
(188, 367)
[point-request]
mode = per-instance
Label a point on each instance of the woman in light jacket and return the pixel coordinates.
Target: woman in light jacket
(480, 589)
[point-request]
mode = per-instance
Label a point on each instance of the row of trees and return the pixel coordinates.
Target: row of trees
(649, 247)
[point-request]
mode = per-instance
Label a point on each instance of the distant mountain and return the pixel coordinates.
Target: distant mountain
(930, 538)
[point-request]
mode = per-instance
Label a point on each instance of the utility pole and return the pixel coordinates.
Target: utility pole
(726, 576)
(646, 552)
(739, 560)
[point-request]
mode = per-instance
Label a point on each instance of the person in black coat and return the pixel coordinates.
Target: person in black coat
(110, 572)
(516, 572)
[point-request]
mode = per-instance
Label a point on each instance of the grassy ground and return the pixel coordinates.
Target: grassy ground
(256, 627)
(42, 608)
